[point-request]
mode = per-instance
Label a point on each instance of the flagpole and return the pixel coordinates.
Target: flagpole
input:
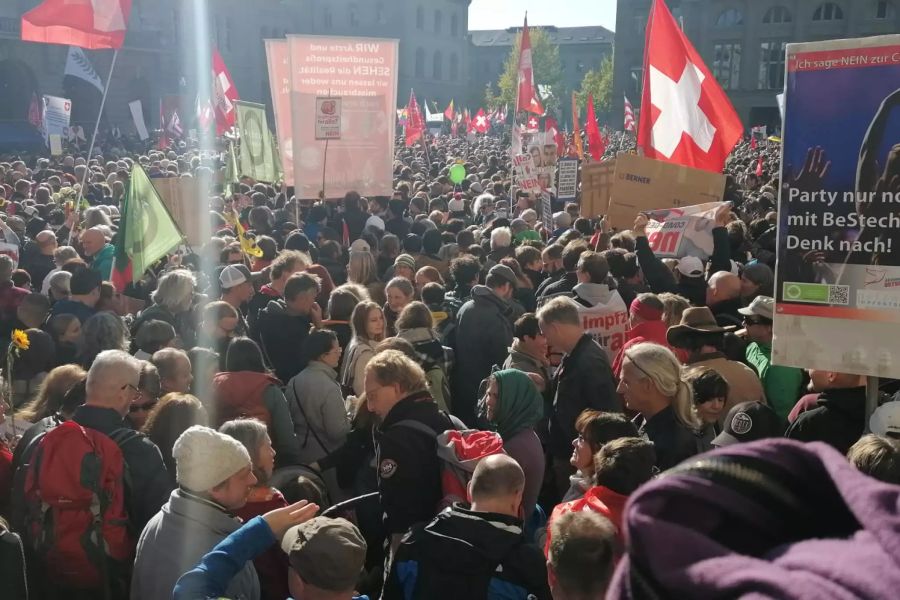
(87, 169)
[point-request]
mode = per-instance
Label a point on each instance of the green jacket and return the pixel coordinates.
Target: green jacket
(103, 261)
(781, 384)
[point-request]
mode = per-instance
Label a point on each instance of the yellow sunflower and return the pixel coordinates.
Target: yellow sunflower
(20, 339)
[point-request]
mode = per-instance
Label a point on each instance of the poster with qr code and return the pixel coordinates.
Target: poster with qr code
(837, 289)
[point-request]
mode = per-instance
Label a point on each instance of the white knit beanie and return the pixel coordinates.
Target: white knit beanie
(204, 458)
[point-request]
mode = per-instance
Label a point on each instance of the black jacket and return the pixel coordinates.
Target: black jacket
(562, 286)
(281, 337)
(548, 280)
(839, 419)
(672, 440)
(466, 554)
(38, 266)
(484, 332)
(584, 380)
(409, 477)
(727, 314)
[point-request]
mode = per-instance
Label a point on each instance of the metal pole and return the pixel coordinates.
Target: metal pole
(871, 397)
(324, 165)
(87, 169)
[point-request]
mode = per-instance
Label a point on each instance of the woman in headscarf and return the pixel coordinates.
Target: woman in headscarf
(514, 405)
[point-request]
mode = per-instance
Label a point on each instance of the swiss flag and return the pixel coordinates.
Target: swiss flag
(527, 99)
(691, 121)
(224, 93)
(480, 122)
(92, 24)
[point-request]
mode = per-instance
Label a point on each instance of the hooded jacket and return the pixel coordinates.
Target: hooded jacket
(798, 522)
(483, 334)
(175, 540)
(839, 419)
(281, 337)
(467, 554)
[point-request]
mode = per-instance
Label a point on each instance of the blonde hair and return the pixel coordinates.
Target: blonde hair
(673, 307)
(393, 367)
(362, 269)
(175, 291)
(659, 365)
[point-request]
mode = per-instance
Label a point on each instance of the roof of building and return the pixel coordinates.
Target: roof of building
(594, 34)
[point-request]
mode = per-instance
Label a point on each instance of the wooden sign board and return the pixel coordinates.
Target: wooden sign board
(644, 184)
(189, 206)
(596, 187)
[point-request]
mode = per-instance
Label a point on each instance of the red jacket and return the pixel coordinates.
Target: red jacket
(648, 331)
(599, 499)
(240, 394)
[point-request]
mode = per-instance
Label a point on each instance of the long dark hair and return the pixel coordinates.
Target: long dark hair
(244, 355)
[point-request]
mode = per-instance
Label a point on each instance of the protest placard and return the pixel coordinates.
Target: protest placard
(328, 118)
(596, 187)
(181, 196)
(526, 176)
(838, 277)
(56, 116)
(567, 173)
(644, 184)
(678, 232)
(542, 148)
(278, 60)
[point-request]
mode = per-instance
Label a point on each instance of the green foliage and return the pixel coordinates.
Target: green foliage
(491, 99)
(598, 82)
(547, 72)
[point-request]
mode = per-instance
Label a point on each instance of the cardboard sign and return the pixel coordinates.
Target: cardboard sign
(567, 172)
(182, 197)
(643, 184)
(526, 176)
(56, 115)
(328, 118)
(596, 187)
(56, 147)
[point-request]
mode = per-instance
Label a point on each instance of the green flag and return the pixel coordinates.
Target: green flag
(257, 156)
(147, 231)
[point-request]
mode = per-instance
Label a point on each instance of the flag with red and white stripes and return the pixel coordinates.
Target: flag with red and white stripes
(629, 116)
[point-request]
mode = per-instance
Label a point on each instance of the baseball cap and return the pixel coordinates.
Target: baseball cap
(327, 553)
(748, 422)
(506, 273)
(885, 421)
(762, 306)
(360, 245)
(690, 266)
(375, 222)
(233, 275)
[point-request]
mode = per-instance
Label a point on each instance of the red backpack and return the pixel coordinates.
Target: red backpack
(74, 515)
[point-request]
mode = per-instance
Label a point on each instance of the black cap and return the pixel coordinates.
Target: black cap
(748, 422)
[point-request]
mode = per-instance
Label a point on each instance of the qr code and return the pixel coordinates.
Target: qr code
(839, 294)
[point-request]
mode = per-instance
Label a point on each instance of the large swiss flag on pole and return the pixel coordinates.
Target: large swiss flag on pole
(527, 98)
(92, 24)
(225, 94)
(686, 118)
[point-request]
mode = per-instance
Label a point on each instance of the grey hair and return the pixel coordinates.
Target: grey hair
(103, 331)
(60, 284)
(251, 433)
(660, 365)
(501, 237)
(402, 284)
(175, 291)
(95, 216)
(63, 254)
(112, 367)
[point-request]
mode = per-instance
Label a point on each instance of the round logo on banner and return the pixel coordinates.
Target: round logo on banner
(252, 137)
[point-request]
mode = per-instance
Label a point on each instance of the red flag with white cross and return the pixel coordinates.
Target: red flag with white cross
(92, 24)
(527, 98)
(224, 94)
(480, 122)
(686, 116)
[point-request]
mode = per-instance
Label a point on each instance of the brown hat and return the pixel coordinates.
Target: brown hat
(327, 553)
(694, 320)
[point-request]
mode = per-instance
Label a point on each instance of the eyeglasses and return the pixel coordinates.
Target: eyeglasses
(135, 389)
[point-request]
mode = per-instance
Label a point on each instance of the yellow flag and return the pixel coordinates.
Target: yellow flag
(248, 246)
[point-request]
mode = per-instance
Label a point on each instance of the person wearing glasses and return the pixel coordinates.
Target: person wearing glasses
(783, 385)
(653, 385)
(113, 384)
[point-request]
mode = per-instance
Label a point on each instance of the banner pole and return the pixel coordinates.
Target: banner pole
(871, 397)
(324, 166)
(87, 169)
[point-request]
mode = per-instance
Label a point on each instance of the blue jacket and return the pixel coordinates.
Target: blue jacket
(210, 578)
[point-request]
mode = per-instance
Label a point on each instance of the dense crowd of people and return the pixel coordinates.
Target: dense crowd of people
(398, 397)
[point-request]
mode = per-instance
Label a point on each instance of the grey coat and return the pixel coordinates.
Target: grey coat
(174, 541)
(318, 411)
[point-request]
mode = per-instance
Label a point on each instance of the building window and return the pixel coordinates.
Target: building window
(884, 10)
(420, 18)
(637, 81)
(730, 18)
(353, 15)
(778, 14)
(327, 18)
(380, 17)
(771, 66)
(420, 62)
(727, 65)
(454, 25)
(438, 21)
(437, 66)
(580, 66)
(640, 24)
(454, 68)
(828, 11)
